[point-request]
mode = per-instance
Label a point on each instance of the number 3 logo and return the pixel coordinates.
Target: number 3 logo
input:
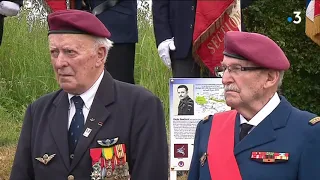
(297, 17)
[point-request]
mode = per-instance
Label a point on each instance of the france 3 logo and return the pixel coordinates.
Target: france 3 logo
(296, 19)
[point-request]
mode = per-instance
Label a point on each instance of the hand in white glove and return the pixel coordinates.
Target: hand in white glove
(8, 8)
(164, 51)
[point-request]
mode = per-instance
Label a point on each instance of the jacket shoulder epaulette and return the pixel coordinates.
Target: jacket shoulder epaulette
(314, 121)
(206, 119)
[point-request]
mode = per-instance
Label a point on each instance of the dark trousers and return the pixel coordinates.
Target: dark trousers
(185, 67)
(1, 27)
(120, 62)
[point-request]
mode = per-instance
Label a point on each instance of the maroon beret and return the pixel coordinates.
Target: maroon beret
(256, 48)
(76, 22)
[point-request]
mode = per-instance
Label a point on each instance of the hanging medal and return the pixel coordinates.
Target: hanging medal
(122, 169)
(96, 163)
(108, 154)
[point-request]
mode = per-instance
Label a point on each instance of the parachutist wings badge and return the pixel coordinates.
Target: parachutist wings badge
(45, 159)
(108, 142)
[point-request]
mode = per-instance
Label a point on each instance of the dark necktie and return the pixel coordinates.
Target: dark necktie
(245, 128)
(77, 123)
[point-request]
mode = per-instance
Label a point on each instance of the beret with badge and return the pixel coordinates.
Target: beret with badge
(256, 48)
(76, 22)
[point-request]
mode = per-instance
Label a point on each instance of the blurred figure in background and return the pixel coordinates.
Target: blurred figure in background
(8, 8)
(120, 17)
(174, 23)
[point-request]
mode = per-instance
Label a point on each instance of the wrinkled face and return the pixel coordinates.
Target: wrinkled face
(242, 88)
(76, 60)
(182, 93)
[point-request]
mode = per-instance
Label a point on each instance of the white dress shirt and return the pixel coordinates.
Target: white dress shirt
(87, 98)
(263, 113)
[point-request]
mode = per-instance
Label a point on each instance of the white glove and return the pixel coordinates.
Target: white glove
(164, 51)
(8, 8)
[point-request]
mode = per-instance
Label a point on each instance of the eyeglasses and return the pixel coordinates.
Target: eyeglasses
(219, 70)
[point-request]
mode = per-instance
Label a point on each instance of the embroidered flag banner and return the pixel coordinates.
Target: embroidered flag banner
(313, 20)
(56, 5)
(213, 19)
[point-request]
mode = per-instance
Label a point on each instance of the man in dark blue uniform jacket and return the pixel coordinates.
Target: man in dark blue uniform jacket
(94, 127)
(272, 139)
(173, 22)
(121, 20)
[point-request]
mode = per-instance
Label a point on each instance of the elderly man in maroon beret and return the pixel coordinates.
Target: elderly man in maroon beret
(264, 137)
(94, 127)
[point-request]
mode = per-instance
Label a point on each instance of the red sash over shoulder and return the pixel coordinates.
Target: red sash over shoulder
(221, 160)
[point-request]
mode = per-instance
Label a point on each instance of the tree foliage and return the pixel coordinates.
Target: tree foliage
(301, 83)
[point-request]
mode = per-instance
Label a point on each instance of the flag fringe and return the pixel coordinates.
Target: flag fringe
(205, 34)
(313, 29)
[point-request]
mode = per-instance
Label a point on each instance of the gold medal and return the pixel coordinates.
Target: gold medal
(108, 154)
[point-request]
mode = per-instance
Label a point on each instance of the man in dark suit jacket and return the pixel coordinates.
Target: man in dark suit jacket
(173, 28)
(116, 130)
(8, 8)
(121, 20)
(264, 137)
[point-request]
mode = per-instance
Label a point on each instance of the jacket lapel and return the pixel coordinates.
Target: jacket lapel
(237, 130)
(58, 122)
(97, 116)
(265, 132)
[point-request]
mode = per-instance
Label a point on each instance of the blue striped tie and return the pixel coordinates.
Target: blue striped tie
(77, 124)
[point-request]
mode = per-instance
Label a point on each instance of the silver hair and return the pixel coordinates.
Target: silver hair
(108, 44)
(280, 79)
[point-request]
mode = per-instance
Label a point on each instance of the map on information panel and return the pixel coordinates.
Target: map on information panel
(209, 99)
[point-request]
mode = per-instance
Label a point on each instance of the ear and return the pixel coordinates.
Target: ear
(272, 78)
(101, 53)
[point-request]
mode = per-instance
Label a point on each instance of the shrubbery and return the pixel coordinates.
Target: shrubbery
(301, 83)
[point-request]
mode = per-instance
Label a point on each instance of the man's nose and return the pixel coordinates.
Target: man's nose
(61, 61)
(227, 78)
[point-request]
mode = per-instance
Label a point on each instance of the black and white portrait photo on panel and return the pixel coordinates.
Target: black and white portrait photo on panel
(183, 102)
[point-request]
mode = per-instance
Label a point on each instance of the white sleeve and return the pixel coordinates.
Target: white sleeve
(8, 8)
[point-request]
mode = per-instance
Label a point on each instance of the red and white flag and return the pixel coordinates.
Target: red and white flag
(213, 19)
(313, 20)
(56, 5)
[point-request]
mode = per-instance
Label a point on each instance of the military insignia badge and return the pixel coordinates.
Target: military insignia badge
(109, 163)
(314, 121)
(203, 158)
(45, 159)
(108, 142)
(269, 157)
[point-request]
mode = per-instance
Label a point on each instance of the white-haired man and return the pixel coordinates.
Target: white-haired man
(94, 127)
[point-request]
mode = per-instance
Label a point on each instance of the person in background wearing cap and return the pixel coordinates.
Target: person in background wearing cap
(120, 17)
(264, 137)
(8, 8)
(94, 127)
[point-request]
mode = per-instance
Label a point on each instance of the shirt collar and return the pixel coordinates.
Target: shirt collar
(264, 112)
(88, 96)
